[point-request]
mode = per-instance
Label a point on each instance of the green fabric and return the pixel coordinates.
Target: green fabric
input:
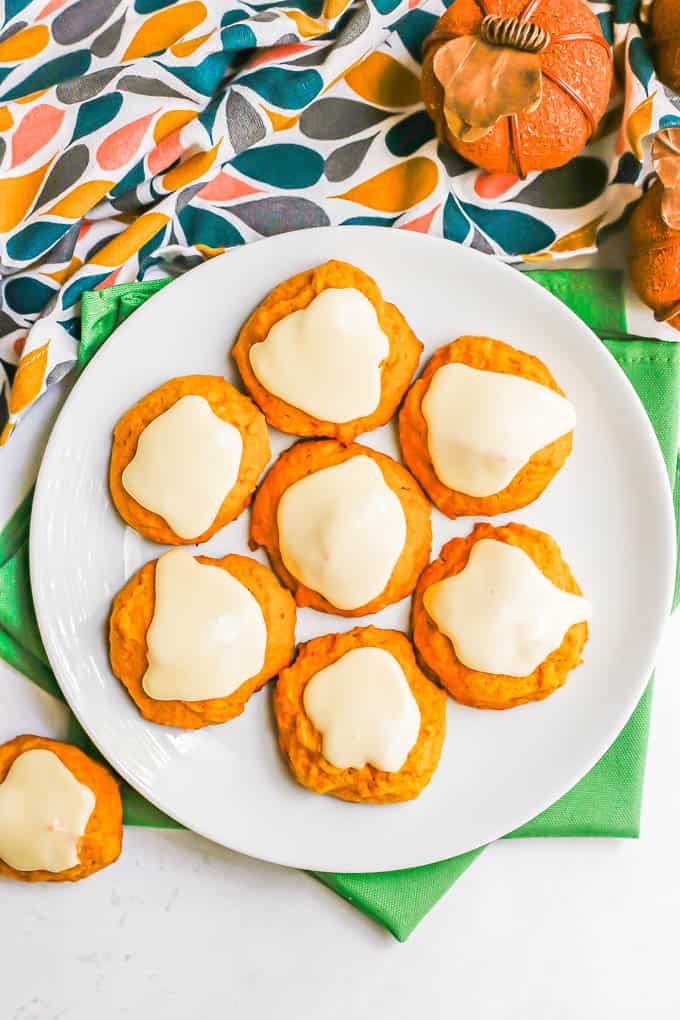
(606, 802)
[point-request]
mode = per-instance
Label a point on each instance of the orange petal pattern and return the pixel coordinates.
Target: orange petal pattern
(421, 223)
(223, 188)
(398, 188)
(166, 152)
(35, 130)
(119, 148)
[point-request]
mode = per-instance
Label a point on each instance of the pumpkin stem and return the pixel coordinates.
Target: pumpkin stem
(526, 36)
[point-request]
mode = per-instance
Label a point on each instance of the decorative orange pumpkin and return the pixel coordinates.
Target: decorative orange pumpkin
(516, 85)
(654, 233)
(666, 32)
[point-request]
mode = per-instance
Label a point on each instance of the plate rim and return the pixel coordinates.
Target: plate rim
(668, 527)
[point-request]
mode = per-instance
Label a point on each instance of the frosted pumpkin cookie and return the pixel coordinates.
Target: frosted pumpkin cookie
(498, 619)
(61, 816)
(346, 529)
(192, 638)
(485, 428)
(325, 355)
(357, 719)
(186, 459)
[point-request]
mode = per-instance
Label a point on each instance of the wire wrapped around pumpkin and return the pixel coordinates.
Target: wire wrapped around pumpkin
(654, 233)
(516, 85)
(666, 32)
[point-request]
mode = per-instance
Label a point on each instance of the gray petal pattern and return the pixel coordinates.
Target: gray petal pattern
(270, 216)
(342, 163)
(81, 19)
(243, 122)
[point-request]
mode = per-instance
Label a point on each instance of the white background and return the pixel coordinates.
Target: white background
(180, 929)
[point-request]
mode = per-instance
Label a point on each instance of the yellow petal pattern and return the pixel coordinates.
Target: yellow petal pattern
(29, 379)
(193, 168)
(209, 252)
(583, 237)
(382, 80)
(306, 26)
(83, 198)
(165, 28)
(170, 121)
(398, 188)
(16, 196)
(332, 8)
(25, 44)
(62, 275)
(279, 122)
(185, 49)
(640, 124)
(130, 240)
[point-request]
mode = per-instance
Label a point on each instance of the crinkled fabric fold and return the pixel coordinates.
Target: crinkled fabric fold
(139, 138)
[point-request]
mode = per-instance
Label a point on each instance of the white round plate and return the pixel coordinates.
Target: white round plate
(609, 509)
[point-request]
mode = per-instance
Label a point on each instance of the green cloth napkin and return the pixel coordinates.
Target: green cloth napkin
(606, 802)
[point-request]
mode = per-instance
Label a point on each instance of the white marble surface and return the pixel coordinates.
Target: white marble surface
(180, 929)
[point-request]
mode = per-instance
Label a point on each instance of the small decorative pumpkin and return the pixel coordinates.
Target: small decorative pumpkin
(516, 85)
(654, 233)
(666, 33)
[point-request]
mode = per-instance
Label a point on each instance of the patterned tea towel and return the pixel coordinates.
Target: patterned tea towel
(139, 137)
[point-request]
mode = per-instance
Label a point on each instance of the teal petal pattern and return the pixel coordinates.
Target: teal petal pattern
(456, 225)
(282, 166)
(35, 239)
(283, 87)
(95, 114)
(515, 232)
(409, 134)
(201, 226)
(70, 65)
(27, 295)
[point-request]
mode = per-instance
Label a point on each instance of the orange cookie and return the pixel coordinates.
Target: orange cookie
(302, 743)
(101, 843)
(229, 405)
(437, 653)
(297, 293)
(304, 459)
(131, 616)
(487, 355)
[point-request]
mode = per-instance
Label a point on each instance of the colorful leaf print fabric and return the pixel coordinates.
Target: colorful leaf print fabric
(140, 137)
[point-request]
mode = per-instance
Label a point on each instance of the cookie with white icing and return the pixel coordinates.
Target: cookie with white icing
(186, 458)
(61, 815)
(325, 355)
(193, 638)
(357, 718)
(347, 529)
(485, 428)
(498, 618)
